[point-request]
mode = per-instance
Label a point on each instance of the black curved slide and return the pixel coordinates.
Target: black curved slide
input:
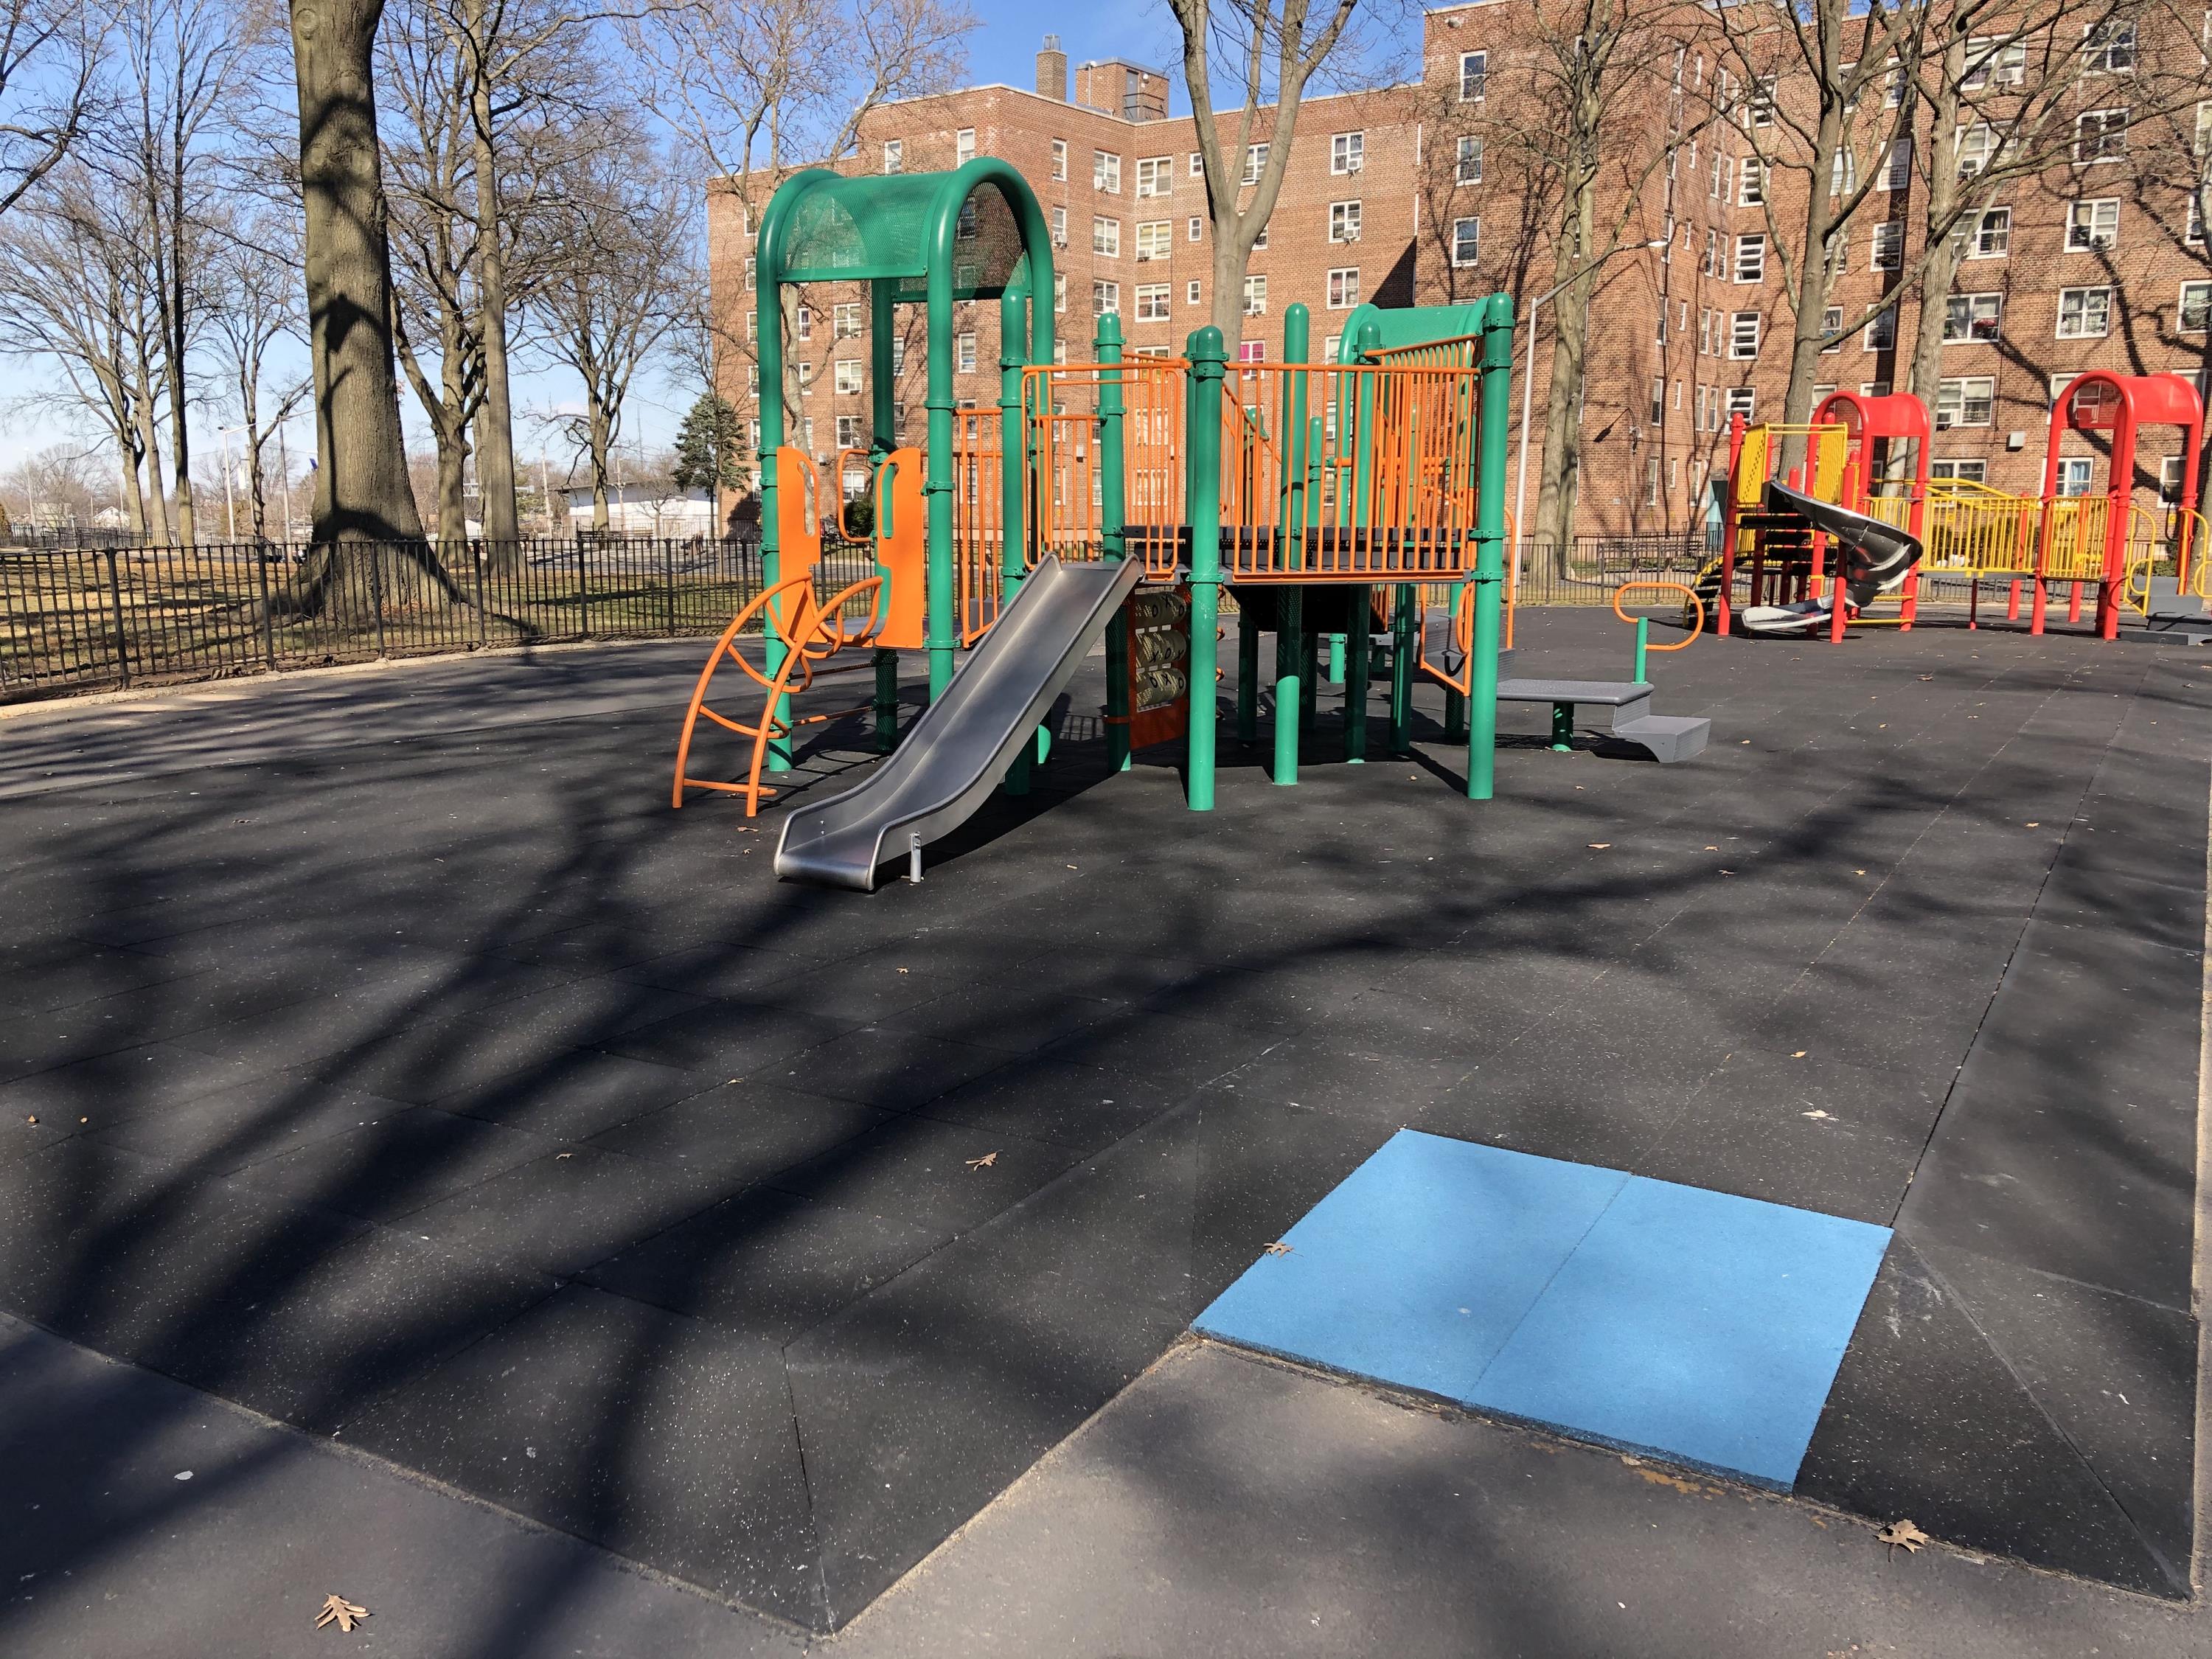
(956, 752)
(1878, 557)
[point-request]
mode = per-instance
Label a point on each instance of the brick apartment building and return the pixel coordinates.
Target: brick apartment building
(1418, 192)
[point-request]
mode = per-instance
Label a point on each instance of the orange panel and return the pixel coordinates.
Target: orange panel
(798, 515)
(903, 554)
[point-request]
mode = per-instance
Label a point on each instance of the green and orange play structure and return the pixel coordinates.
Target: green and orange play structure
(1332, 500)
(1870, 456)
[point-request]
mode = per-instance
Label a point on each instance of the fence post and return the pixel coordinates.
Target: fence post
(583, 597)
(668, 572)
(268, 625)
(376, 591)
(115, 600)
(483, 638)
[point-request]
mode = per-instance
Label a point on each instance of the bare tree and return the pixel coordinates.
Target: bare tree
(256, 305)
(1819, 91)
(1277, 46)
(50, 62)
(614, 295)
(361, 491)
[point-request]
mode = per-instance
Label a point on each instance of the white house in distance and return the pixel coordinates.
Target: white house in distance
(648, 509)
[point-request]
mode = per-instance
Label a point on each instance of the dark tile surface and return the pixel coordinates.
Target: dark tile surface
(561, 1030)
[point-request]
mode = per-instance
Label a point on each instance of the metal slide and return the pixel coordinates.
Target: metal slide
(1878, 558)
(955, 753)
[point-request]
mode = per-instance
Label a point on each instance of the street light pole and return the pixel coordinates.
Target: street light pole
(1529, 381)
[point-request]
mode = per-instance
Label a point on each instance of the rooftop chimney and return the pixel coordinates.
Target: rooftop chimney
(1052, 71)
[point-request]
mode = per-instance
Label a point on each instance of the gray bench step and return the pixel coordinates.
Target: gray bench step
(1670, 737)
(1609, 694)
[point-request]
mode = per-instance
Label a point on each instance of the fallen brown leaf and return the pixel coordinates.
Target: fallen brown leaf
(984, 1162)
(34, 1118)
(1599, 846)
(1799, 1054)
(1816, 1114)
(904, 970)
(346, 1614)
(1279, 1249)
(2034, 823)
(557, 1157)
(1902, 1534)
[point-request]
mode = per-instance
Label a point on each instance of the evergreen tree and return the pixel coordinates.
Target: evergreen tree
(710, 445)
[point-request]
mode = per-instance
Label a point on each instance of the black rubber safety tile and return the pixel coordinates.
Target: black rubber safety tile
(880, 1066)
(1171, 1052)
(574, 1094)
(393, 1164)
(564, 1211)
(948, 1176)
(922, 1401)
(1926, 1420)
(767, 1264)
(873, 986)
(1005, 1013)
(241, 1124)
(1529, 1102)
(1759, 1145)
(742, 1131)
(1083, 1107)
(663, 1438)
(735, 972)
(1923, 1022)
(1340, 1072)
(110, 1087)
(2154, 912)
(730, 1039)
(38, 982)
(2114, 1374)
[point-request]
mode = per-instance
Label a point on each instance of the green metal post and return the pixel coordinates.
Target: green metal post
(1247, 678)
(1454, 704)
(1563, 727)
(1356, 670)
(1113, 539)
(1405, 641)
(1643, 645)
(1290, 657)
(1336, 659)
(1286, 730)
(1489, 545)
(1013, 475)
(1203, 493)
(883, 386)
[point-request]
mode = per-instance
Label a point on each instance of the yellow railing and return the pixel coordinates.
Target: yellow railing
(1828, 443)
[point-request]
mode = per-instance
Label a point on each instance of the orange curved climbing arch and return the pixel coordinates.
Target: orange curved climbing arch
(811, 632)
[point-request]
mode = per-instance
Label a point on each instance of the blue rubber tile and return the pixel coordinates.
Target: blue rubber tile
(1420, 1264)
(1700, 1326)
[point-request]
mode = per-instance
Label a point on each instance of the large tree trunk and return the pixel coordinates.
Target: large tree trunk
(176, 334)
(494, 419)
(361, 491)
(150, 446)
(602, 450)
(1561, 477)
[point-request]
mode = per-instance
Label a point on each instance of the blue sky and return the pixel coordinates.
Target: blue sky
(1005, 48)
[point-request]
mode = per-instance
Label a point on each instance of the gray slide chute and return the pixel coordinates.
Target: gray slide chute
(955, 753)
(1877, 557)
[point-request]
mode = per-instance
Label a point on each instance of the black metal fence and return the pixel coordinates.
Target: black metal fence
(1593, 567)
(90, 619)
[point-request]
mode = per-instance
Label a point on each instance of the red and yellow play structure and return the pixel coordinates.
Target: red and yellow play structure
(1870, 456)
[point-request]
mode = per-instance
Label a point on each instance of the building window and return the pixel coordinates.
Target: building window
(1741, 400)
(1344, 221)
(1889, 250)
(1344, 288)
(846, 377)
(1743, 335)
(1155, 175)
(2075, 473)
(752, 385)
(969, 221)
(1060, 158)
(1880, 332)
(845, 321)
(1874, 388)
(1972, 318)
(964, 146)
(1985, 236)
(1060, 226)
(1713, 266)
(1347, 152)
(964, 349)
(1750, 186)
(1965, 402)
(1105, 297)
(2108, 48)
(1722, 185)
(1751, 258)
(1965, 471)
(1843, 172)
(1152, 303)
(804, 324)
(1255, 295)
(2169, 479)
(2084, 313)
(2195, 307)
(1466, 242)
(1256, 163)
(2092, 225)
(849, 432)
(1060, 290)
(1197, 165)
(1191, 291)
(1651, 482)
(898, 354)
(1832, 327)
(1154, 238)
(1658, 399)
(1992, 64)
(1897, 166)
(1196, 229)
(1470, 170)
(2100, 134)
(1474, 74)
(1106, 238)
(1106, 172)
(1979, 146)
(894, 156)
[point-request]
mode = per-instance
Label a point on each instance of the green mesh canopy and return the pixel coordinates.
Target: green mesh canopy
(876, 228)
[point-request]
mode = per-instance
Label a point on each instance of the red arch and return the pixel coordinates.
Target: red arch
(1897, 418)
(2134, 400)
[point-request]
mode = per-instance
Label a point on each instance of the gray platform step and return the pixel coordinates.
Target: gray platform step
(1670, 737)
(1667, 737)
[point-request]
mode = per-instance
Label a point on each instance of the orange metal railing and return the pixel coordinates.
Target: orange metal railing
(1069, 476)
(978, 520)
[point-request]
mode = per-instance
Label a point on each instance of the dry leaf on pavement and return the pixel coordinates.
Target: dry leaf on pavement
(1279, 1249)
(984, 1162)
(346, 1614)
(1905, 1533)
